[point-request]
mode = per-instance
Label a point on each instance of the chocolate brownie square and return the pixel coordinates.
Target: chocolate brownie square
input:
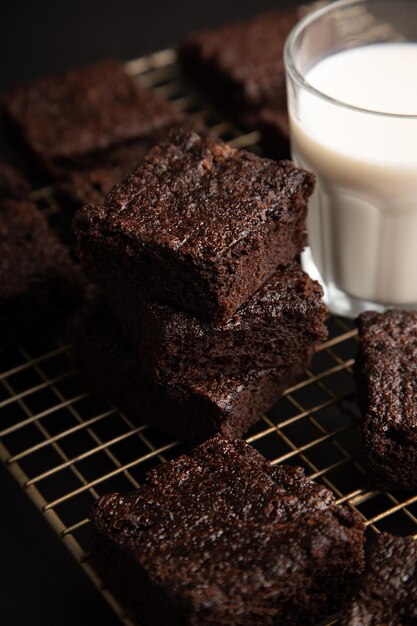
(386, 594)
(221, 537)
(387, 380)
(190, 410)
(39, 284)
(200, 225)
(12, 182)
(285, 315)
(63, 117)
(241, 65)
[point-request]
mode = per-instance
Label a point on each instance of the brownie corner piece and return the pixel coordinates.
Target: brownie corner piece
(386, 593)
(387, 381)
(222, 537)
(199, 224)
(39, 284)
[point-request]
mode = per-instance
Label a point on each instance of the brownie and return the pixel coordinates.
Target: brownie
(39, 284)
(386, 594)
(221, 537)
(275, 133)
(387, 378)
(12, 183)
(189, 410)
(199, 225)
(241, 65)
(285, 315)
(64, 117)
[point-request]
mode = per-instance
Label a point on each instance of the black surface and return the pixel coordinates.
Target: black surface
(40, 582)
(50, 35)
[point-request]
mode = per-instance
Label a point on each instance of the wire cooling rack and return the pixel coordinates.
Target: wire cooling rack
(66, 447)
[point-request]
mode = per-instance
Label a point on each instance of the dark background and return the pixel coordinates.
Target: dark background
(41, 584)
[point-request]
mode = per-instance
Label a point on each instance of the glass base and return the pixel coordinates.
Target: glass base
(341, 303)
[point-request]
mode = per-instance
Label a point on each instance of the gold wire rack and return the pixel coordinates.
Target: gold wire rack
(66, 447)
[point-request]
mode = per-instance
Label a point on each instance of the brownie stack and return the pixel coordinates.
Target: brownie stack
(206, 317)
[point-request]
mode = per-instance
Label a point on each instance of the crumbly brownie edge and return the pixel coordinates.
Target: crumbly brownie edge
(108, 367)
(172, 345)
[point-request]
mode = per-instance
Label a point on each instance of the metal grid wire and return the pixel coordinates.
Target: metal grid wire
(66, 447)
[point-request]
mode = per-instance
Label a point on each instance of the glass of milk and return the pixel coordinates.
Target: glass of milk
(352, 92)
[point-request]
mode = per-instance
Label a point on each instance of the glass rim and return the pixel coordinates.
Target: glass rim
(298, 77)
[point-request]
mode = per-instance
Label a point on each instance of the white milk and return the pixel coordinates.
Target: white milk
(363, 217)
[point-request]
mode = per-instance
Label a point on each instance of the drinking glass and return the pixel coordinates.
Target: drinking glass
(362, 223)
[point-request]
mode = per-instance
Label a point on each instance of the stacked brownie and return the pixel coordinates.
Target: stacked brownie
(209, 317)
